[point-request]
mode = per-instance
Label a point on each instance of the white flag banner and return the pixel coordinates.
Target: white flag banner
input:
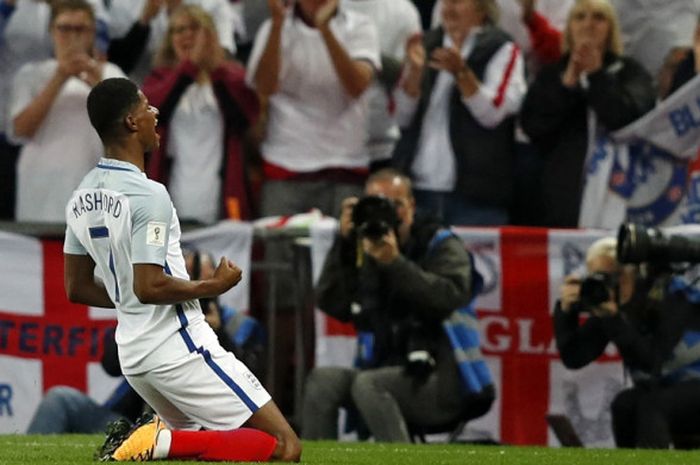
(639, 173)
(233, 240)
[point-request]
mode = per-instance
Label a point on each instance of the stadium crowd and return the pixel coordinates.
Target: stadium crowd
(279, 108)
(489, 109)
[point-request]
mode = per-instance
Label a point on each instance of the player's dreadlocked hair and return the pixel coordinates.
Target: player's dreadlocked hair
(107, 105)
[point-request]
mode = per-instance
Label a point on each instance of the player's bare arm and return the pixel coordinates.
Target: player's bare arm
(153, 286)
(80, 283)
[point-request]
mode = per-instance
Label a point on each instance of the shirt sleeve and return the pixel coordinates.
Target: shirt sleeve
(363, 43)
(150, 228)
(502, 90)
(71, 244)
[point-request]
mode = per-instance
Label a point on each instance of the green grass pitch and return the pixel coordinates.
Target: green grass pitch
(78, 449)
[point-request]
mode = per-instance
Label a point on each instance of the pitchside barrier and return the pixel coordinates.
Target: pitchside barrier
(47, 341)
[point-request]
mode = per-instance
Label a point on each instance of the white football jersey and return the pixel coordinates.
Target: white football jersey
(120, 218)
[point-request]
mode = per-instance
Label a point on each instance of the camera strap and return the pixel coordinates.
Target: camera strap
(359, 253)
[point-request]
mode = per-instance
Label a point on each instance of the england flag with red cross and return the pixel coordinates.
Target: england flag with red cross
(522, 269)
(47, 341)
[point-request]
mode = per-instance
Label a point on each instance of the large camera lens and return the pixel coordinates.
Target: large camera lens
(636, 244)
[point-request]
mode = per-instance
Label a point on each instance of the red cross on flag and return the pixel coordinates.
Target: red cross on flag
(45, 340)
(522, 269)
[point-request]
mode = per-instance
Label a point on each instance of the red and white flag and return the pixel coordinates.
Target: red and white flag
(522, 269)
(46, 341)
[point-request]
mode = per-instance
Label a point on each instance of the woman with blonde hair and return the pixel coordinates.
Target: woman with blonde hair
(205, 110)
(593, 89)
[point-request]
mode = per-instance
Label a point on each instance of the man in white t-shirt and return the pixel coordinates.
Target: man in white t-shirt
(122, 228)
(314, 61)
(46, 112)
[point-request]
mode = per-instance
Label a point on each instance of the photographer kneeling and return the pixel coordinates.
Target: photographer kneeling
(405, 283)
(654, 332)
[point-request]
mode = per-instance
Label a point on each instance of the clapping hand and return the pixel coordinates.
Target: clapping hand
(585, 58)
(447, 59)
(79, 64)
(207, 52)
(325, 13)
(278, 9)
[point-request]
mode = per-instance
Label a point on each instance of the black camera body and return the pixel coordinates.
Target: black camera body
(595, 289)
(374, 216)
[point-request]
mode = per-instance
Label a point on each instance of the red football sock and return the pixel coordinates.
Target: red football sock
(239, 445)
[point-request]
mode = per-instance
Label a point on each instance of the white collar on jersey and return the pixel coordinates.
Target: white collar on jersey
(114, 164)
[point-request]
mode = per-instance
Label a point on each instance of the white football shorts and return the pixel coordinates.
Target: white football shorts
(210, 390)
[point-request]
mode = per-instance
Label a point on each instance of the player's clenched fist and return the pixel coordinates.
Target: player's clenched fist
(228, 274)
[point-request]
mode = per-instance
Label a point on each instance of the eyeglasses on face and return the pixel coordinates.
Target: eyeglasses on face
(74, 28)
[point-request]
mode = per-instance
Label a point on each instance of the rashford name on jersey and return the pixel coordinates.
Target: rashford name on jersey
(96, 200)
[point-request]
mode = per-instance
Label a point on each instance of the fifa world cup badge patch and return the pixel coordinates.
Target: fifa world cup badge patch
(155, 234)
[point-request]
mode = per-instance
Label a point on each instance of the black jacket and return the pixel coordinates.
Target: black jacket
(646, 334)
(556, 120)
(421, 285)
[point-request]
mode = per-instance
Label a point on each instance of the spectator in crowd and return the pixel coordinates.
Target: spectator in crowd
(47, 104)
(592, 89)
(650, 28)
(24, 37)
(139, 27)
(403, 289)
(397, 20)
(313, 61)
(205, 111)
(535, 26)
(655, 332)
(462, 85)
(28, 33)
